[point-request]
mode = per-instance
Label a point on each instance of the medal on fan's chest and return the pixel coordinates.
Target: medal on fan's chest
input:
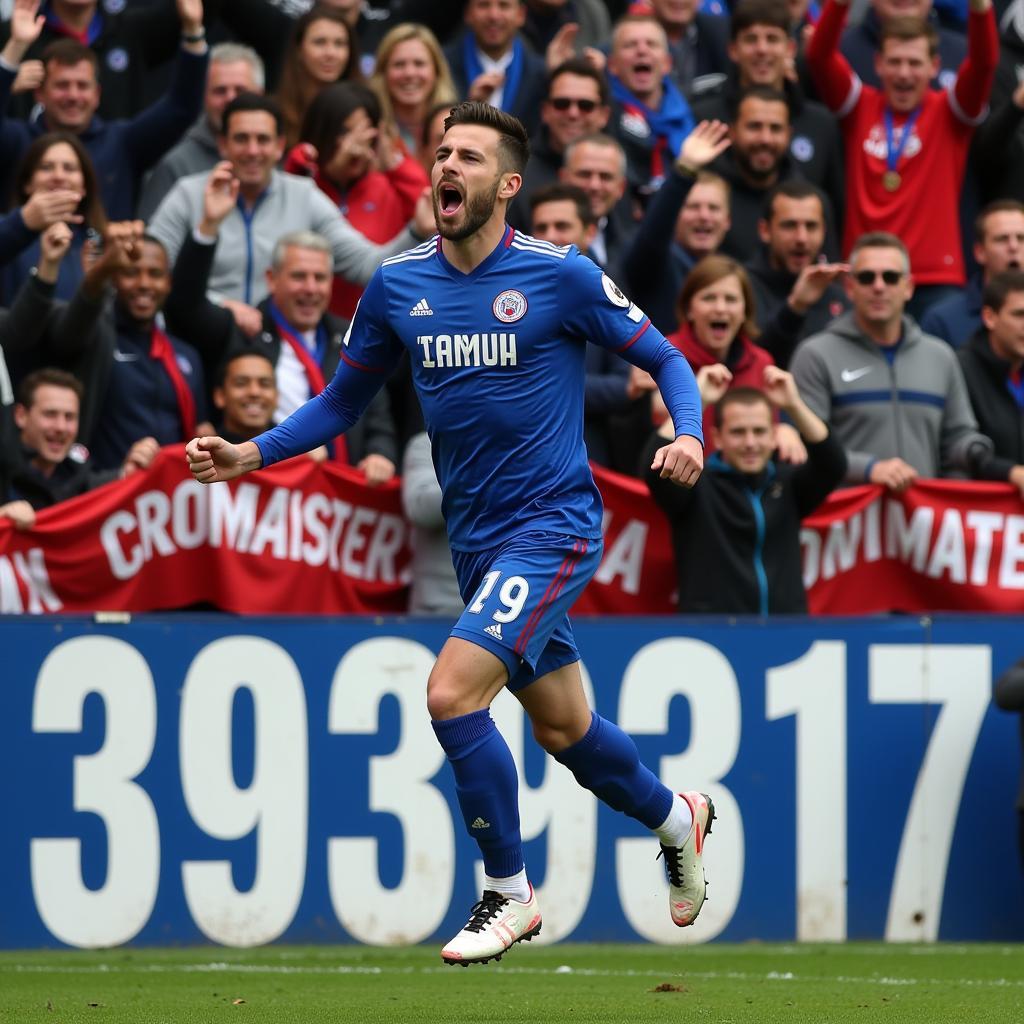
(891, 178)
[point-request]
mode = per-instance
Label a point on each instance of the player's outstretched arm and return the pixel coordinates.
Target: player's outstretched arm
(212, 459)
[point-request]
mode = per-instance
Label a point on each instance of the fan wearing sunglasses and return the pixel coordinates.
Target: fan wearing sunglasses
(894, 396)
(576, 104)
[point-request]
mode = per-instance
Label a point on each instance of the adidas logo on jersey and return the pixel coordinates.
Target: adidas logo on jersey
(494, 629)
(480, 823)
(421, 309)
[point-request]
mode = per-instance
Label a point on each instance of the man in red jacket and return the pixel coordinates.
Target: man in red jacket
(906, 143)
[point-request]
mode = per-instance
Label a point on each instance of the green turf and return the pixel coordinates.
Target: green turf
(597, 983)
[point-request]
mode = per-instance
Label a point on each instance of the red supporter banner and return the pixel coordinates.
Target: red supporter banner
(310, 538)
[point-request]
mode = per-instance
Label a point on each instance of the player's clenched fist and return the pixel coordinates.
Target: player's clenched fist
(682, 461)
(212, 459)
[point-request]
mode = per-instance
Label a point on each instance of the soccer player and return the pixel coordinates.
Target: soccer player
(495, 323)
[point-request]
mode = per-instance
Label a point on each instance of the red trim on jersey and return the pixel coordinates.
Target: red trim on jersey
(509, 235)
(359, 366)
(646, 324)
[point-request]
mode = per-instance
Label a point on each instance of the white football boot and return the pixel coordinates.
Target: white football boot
(687, 882)
(496, 923)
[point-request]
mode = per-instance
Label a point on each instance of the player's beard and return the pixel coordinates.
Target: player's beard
(477, 212)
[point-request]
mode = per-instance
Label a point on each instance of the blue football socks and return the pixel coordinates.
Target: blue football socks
(488, 788)
(607, 763)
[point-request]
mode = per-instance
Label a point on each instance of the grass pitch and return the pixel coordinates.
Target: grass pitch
(594, 983)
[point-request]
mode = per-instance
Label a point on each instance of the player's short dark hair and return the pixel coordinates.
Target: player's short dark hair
(1000, 287)
(513, 142)
(67, 53)
(246, 102)
(561, 191)
(764, 93)
(584, 69)
(748, 13)
(906, 28)
(48, 376)
(997, 206)
(793, 189)
(880, 240)
(739, 396)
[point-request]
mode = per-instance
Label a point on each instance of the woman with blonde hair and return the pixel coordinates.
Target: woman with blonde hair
(322, 50)
(411, 77)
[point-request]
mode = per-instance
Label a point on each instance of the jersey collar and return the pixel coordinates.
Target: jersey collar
(482, 268)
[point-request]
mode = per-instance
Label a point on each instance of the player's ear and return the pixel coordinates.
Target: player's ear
(510, 185)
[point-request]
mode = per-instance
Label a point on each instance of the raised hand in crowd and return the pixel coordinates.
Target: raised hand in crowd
(709, 140)
(53, 247)
(29, 78)
(1016, 478)
(140, 456)
(25, 26)
(377, 469)
(44, 208)
(713, 382)
(563, 47)
(191, 14)
(220, 197)
(122, 245)
(779, 387)
(893, 474)
(810, 285)
(483, 86)
(21, 513)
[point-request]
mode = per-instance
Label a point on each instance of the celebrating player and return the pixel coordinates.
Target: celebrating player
(496, 324)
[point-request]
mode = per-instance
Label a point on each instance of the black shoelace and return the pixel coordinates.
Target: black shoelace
(489, 907)
(671, 864)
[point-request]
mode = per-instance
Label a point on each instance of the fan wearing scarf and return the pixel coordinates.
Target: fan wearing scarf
(140, 381)
(650, 116)
(492, 63)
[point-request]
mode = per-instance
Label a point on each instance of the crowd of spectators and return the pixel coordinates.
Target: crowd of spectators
(820, 206)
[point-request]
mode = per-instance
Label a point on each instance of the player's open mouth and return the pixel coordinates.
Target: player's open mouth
(449, 199)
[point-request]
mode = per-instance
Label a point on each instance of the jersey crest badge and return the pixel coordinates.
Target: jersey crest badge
(510, 306)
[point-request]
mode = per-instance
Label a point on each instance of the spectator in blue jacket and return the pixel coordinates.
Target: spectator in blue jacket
(122, 151)
(55, 181)
(998, 246)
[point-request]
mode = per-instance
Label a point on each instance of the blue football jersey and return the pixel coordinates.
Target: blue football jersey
(498, 363)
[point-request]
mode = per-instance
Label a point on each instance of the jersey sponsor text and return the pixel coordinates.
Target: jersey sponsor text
(448, 351)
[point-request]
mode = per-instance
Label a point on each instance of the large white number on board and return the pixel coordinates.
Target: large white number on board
(813, 689)
(275, 804)
(959, 677)
(566, 812)
(119, 909)
(702, 674)
(399, 785)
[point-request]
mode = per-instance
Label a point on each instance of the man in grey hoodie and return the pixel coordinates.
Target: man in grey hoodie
(233, 69)
(894, 396)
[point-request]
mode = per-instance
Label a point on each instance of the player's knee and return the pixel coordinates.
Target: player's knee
(447, 699)
(556, 735)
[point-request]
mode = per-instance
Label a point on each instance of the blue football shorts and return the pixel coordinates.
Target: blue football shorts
(517, 599)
